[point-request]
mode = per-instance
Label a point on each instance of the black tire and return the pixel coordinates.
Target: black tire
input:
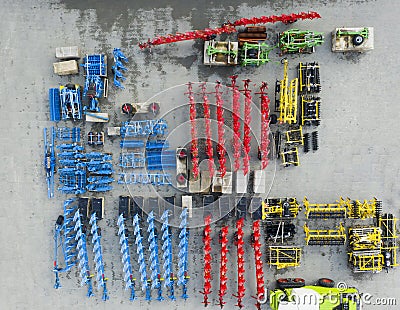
(127, 108)
(182, 154)
(358, 40)
(283, 283)
(297, 282)
(70, 86)
(181, 178)
(325, 282)
(273, 119)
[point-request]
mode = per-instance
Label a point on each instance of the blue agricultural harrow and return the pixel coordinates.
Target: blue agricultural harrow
(118, 67)
(95, 67)
(64, 239)
(126, 257)
(98, 256)
(49, 160)
(145, 178)
(67, 134)
(167, 255)
(153, 259)
(132, 160)
(183, 276)
(144, 128)
(141, 260)
(71, 102)
(83, 260)
(161, 160)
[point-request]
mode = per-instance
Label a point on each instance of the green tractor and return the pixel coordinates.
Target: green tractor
(293, 294)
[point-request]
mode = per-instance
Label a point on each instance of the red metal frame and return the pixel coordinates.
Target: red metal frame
(264, 125)
(246, 127)
(221, 130)
(227, 28)
(207, 115)
(194, 142)
(236, 123)
(259, 264)
(223, 269)
(240, 262)
(207, 260)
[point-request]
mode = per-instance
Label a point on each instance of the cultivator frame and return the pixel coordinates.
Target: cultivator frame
(325, 236)
(309, 78)
(290, 157)
(280, 208)
(284, 256)
(295, 136)
(310, 110)
(299, 41)
(365, 249)
(286, 105)
(255, 54)
(325, 211)
(364, 209)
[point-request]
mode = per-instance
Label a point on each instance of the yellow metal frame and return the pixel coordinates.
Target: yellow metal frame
(305, 100)
(325, 210)
(288, 97)
(293, 134)
(325, 236)
(301, 85)
(284, 256)
(363, 209)
(295, 151)
(365, 238)
(389, 235)
(271, 211)
(366, 261)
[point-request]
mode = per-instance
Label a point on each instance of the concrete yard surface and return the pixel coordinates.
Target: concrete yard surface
(358, 155)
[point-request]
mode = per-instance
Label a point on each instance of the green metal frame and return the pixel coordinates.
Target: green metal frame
(364, 33)
(263, 52)
(295, 40)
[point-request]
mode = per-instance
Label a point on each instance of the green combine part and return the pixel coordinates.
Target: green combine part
(315, 297)
(299, 41)
(364, 33)
(255, 54)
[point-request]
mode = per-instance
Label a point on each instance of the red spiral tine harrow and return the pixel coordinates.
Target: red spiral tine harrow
(221, 130)
(207, 261)
(240, 262)
(227, 28)
(223, 278)
(207, 115)
(236, 123)
(264, 125)
(286, 19)
(258, 262)
(193, 131)
(246, 127)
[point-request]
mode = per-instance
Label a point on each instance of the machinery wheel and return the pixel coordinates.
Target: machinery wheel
(325, 282)
(273, 119)
(127, 108)
(60, 220)
(182, 154)
(181, 178)
(297, 282)
(358, 40)
(283, 283)
(154, 108)
(70, 86)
